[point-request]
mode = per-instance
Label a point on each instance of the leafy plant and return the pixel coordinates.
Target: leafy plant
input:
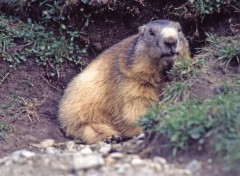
(176, 92)
(20, 41)
(3, 129)
(184, 69)
(225, 49)
(205, 7)
(215, 121)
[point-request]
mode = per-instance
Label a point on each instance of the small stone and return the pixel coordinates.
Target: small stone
(105, 149)
(47, 143)
(70, 145)
(159, 160)
(44, 144)
(109, 161)
(50, 150)
(23, 153)
(141, 136)
(86, 150)
(137, 161)
(87, 161)
(194, 166)
(117, 155)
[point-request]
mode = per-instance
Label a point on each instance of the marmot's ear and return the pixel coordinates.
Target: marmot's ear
(142, 29)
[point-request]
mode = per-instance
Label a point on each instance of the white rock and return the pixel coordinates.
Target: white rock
(47, 143)
(117, 155)
(141, 136)
(137, 161)
(194, 166)
(44, 144)
(105, 149)
(159, 160)
(23, 153)
(70, 145)
(87, 161)
(50, 150)
(86, 150)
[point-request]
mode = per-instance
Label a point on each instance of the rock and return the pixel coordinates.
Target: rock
(159, 160)
(70, 145)
(117, 155)
(23, 154)
(87, 161)
(50, 150)
(86, 150)
(194, 166)
(141, 136)
(70, 158)
(44, 144)
(105, 149)
(137, 161)
(109, 161)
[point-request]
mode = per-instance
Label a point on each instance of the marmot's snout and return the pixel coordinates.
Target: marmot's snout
(170, 41)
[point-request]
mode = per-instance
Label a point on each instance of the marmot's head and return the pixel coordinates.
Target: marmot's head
(161, 38)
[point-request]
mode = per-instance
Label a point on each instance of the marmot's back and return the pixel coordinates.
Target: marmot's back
(117, 88)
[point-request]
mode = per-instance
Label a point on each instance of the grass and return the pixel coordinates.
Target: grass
(178, 89)
(176, 92)
(4, 128)
(184, 69)
(214, 121)
(20, 41)
(206, 7)
(183, 121)
(225, 49)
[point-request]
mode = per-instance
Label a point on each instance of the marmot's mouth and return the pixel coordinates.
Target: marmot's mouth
(171, 54)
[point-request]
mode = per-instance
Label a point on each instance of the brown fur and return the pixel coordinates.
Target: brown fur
(117, 88)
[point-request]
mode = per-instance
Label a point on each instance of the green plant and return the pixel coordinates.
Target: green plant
(20, 41)
(176, 92)
(184, 69)
(3, 129)
(205, 7)
(214, 121)
(225, 49)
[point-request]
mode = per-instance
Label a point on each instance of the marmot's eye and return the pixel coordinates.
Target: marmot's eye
(151, 33)
(179, 30)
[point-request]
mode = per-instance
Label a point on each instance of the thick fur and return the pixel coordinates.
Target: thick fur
(109, 96)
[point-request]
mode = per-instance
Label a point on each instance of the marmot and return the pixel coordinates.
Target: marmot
(110, 95)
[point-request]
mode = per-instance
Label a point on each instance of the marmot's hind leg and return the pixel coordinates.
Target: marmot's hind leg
(94, 133)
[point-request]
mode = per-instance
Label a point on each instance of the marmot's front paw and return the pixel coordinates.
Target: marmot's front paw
(114, 139)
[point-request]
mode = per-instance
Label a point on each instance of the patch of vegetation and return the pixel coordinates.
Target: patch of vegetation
(212, 6)
(178, 89)
(20, 41)
(214, 122)
(3, 129)
(184, 69)
(225, 48)
(176, 92)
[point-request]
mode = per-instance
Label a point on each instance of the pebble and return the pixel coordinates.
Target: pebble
(105, 149)
(117, 155)
(23, 153)
(86, 150)
(44, 144)
(70, 146)
(194, 166)
(50, 150)
(137, 161)
(159, 160)
(87, 161)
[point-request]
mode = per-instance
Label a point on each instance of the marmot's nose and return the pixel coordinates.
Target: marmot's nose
(170, 44)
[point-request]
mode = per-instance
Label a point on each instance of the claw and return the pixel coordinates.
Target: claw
(114, 139)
